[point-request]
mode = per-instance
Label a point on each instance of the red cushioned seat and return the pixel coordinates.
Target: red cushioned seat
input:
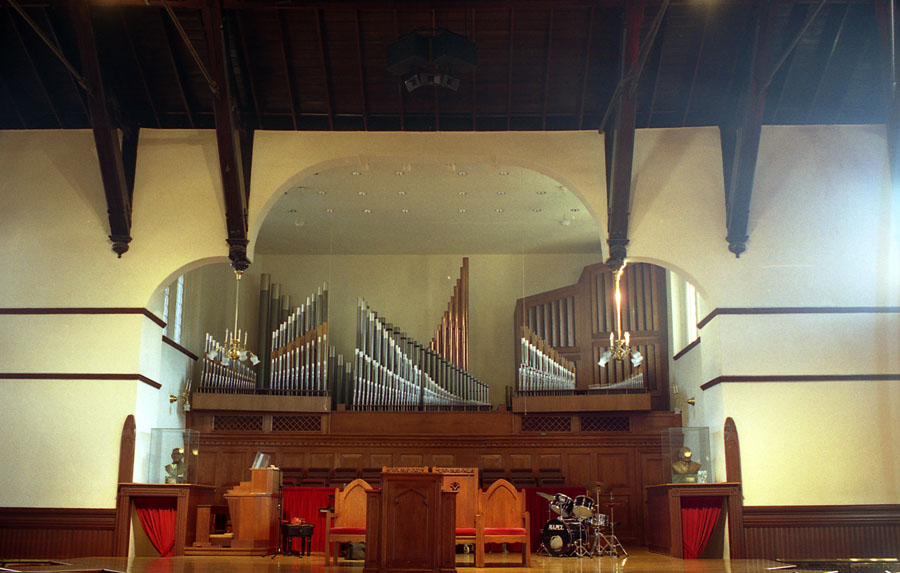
(504, 531)
(348, 530)
(465, 531)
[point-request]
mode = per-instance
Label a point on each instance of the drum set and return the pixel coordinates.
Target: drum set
(580, 530)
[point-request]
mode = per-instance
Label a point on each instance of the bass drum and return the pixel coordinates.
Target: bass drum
(559, 537)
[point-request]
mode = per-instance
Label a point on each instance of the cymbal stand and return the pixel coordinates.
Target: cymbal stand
(614, 545)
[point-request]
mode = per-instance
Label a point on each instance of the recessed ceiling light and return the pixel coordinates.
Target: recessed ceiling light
(463, 173)
(399, 173)
(356, 173)
(499, 210)
(361, 193)
(541, 192)
(461, 211)
(322, 192)
(574, 209)
(292, 210)
(401, 193)
(504, 173)
(404, 210)
(501, 193)
(536, 210)
(329, 210)
(463, 193)
(367, 210)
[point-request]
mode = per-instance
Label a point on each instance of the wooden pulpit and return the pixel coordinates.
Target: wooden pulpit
(410, 525)
(253, 506)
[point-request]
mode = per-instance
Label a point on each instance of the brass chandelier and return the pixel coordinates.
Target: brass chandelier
(234, 350)
(620, 343)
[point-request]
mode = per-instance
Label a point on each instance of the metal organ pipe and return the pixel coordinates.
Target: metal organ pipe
(542, 370)
(393, 372)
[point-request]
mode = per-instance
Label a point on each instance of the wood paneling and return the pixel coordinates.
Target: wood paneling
(826, 532)
(48, 532)
(549, 462)
(321, 460)
(521, 462)
(491, 461)
(580, 468)
(381, 460)
(443, 460)
(411, 460)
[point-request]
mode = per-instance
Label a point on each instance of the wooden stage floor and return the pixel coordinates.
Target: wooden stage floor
(638, 561)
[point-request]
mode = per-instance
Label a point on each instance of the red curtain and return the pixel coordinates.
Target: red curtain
(157, 517)
(305, 502)
(699, 516)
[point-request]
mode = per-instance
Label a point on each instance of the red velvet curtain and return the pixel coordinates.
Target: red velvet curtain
(699, 516)
(157, 517)
(305, 502)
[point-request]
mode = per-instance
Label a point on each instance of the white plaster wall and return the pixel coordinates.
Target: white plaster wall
(61, 441)
(817, 443)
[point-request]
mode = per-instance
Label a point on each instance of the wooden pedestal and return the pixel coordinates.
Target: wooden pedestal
(410, 525)
(664, 515)
(186, 499)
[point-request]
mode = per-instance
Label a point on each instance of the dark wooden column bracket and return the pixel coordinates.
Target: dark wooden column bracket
(117, 162)
(234, 143)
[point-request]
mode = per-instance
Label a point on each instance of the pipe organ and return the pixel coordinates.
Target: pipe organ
(542, 370)
(451, 338)
(220, 374)
(300, 356)
(394, 372)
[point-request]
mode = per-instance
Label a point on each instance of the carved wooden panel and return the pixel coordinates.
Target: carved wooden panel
(235, 466)
(550, 462)
(409, 460)
(443, 460)
(580, 469)
(321, 460)
(292, 460)
(206, 467)
(614, 468)
(491, 461)
(380, 460)
(520, 461)
(350, 460)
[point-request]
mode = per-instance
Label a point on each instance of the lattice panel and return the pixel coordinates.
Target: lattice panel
(237, 424)
(546, 424)
(605, 424)
(296, 423)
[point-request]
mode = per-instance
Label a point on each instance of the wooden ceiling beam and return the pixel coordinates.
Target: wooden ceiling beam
(234, 143)
(620, 143)
(740, 142)
(117, 162)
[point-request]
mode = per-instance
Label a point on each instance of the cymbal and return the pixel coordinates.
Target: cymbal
(598, 486)
(546, 496)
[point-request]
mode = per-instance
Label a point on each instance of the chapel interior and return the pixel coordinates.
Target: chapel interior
(425, 286)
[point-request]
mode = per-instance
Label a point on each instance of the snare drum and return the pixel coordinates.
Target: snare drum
(583, 507)
(597, 521)
(562, 505)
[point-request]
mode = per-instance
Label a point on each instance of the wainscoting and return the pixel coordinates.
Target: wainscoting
(822, 531)
(39, 532)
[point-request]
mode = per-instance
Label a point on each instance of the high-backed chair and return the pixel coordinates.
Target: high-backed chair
(348, 522)
(502, 518)
(464, 481)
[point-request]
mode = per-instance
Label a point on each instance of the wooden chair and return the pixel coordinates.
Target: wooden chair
(348, 522)
(502, 518)
(464, 481)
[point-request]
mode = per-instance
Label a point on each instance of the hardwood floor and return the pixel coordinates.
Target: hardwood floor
(638, 561)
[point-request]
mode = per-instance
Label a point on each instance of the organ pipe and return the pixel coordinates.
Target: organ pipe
(542, 370)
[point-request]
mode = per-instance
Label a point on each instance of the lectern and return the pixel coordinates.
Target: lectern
(410, 525)
(254, 508)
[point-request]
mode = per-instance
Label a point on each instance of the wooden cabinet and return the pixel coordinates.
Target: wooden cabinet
(410, 525)
(664, 513)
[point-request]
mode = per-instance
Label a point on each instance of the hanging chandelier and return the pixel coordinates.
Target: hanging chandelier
(234, 349)
(620, 343)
